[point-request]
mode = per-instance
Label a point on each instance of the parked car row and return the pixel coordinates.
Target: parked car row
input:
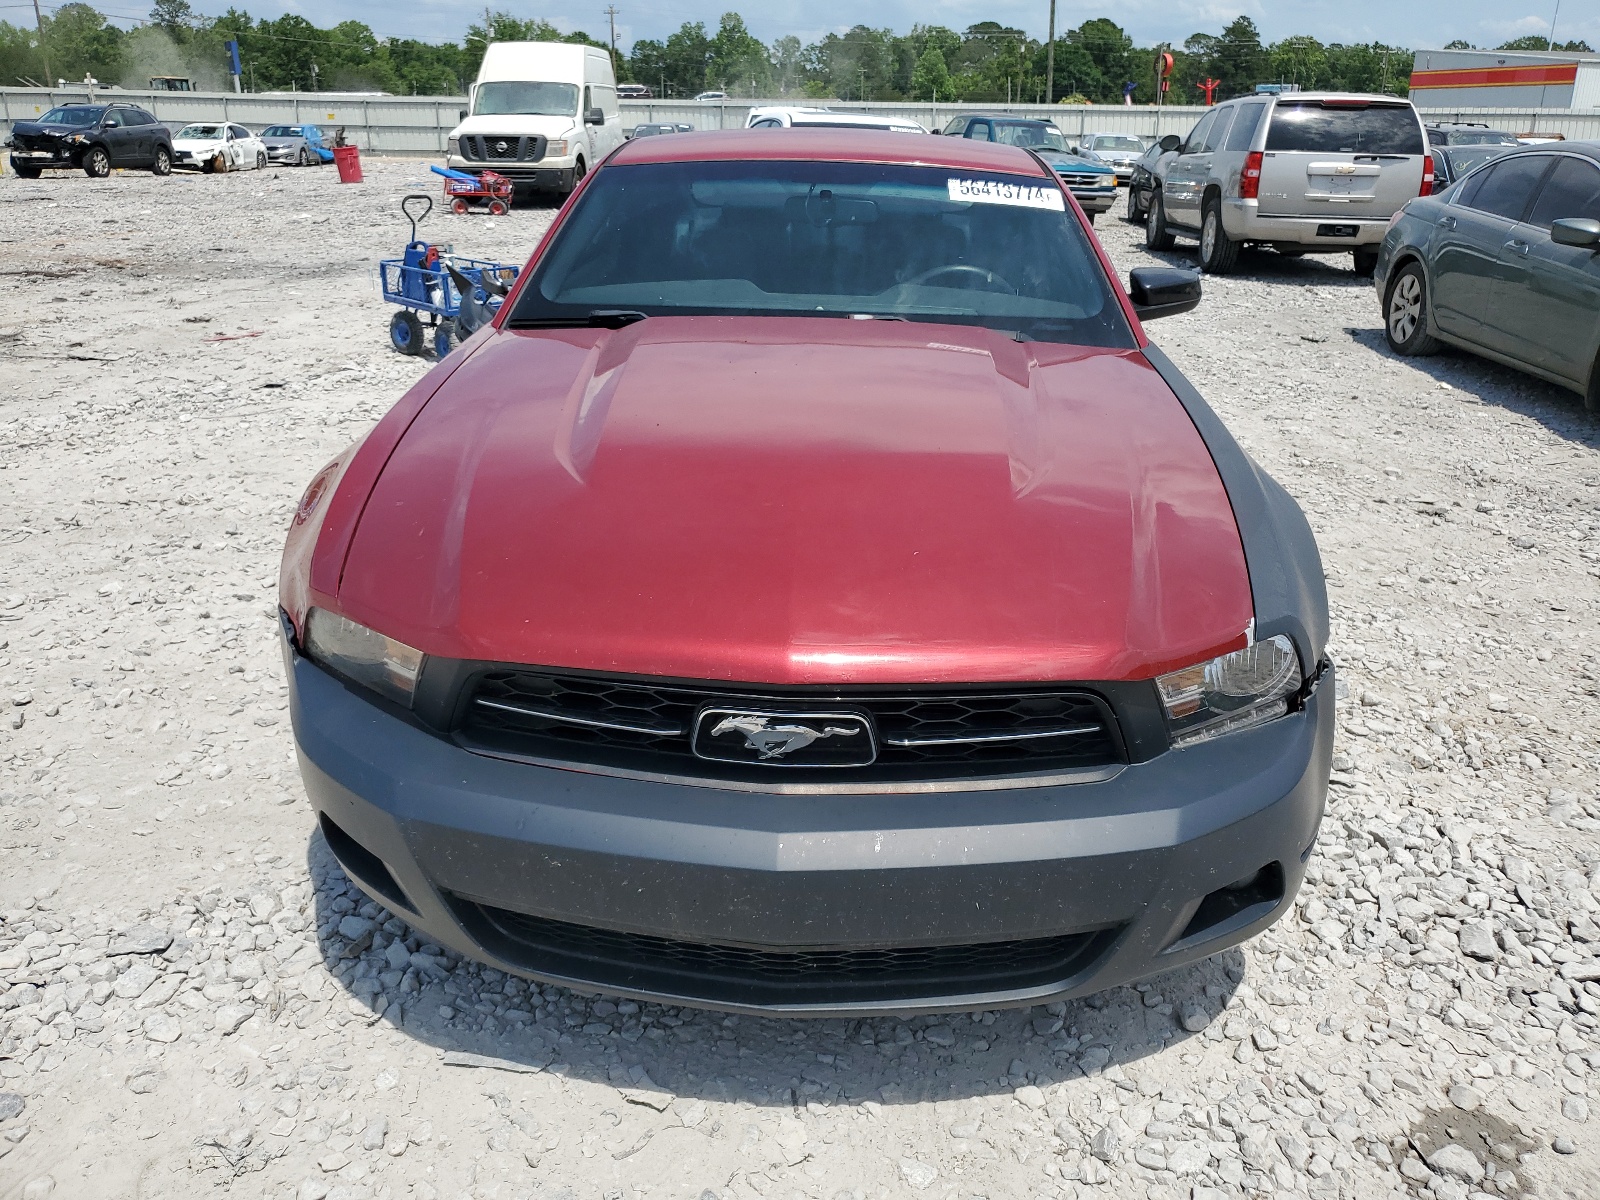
(97, 138)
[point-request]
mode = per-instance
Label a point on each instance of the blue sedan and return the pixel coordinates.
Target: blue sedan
(1506, 264)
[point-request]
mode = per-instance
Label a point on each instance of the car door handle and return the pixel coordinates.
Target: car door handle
(1517, 246)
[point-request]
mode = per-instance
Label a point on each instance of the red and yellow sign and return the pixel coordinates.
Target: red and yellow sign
(1466, 77)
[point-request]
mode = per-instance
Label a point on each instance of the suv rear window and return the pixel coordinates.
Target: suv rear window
(1377, 129)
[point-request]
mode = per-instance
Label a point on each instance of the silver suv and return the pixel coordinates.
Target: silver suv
(1305, 173)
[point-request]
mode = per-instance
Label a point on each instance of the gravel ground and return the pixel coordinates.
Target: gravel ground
(193, 998)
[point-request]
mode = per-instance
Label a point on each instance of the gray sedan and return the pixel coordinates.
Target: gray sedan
(1506, 264)
(301, 145)
(1119, 151)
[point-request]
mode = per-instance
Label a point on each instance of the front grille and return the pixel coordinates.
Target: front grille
(1085, 181)
(493, 149)
(717, 973)
(921, 734)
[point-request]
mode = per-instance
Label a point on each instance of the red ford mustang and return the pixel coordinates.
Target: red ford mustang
(814, 595)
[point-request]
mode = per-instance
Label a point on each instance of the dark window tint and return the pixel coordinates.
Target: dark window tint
(1219, 130)
(1244, 126)
(1573, 190)
(823, 239)
(132, 116)
(1197, 138)
(1379, 129)
(1503, 188)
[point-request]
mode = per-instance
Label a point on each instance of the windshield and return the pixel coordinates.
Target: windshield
(526, 99)
(200, 131)
(281, 131)
(71, 116)
(826, 239)
(1378, 129)
(1470, 158)
(1118, 142)
(1485, 137)
(1019, 134)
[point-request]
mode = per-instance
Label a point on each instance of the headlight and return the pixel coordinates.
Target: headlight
(452, 146)
(363, 655)
(555, 147)
(1237, 691)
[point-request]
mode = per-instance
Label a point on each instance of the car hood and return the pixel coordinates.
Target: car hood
(275, 143)
(803, 501)
(35, 129)
(198, 143)
(516, 125)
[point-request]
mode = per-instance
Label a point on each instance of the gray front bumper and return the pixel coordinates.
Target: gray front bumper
(435, 832)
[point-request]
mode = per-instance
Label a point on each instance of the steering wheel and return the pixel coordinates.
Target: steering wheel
(982, 273)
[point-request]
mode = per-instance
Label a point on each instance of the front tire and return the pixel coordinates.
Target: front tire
(1405, 314)
(1135, 207)
(1365, 262)
(444, 339)
(1156, 234)
(261, 160)
(163, 162)
(97, 163)
(1218, 252)
(302, 159)
(405, 332)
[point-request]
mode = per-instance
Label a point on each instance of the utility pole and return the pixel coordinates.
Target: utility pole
(38, 20)
(488, 26)
(1550, 43)
(1050, 59)
(611, 11)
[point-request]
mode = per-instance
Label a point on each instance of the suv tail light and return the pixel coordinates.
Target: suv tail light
(1427, 175)
(1250, 177)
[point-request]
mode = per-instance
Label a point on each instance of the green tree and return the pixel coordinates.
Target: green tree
(787, 64)
(20, 61)
(1240, 61)
(736, 62)
(1300, 60)
(1458, 44)
(1536, 42)
(931, 79)
(80, 42)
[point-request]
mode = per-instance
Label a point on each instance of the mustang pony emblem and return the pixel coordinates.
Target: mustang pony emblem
(774, 741)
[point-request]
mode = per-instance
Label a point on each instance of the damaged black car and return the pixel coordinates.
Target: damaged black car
(93, 138)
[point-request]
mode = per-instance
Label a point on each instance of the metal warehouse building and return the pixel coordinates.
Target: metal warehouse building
(1505, 79)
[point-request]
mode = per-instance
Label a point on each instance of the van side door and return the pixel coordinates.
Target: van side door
(606, 101)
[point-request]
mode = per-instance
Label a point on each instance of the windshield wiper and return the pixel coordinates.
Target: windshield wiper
(598, 318)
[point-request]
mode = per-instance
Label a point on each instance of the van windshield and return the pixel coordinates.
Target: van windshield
(526, 99)
(1374, 129)
(826, 239)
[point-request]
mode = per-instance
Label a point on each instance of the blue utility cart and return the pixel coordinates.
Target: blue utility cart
(420, 283)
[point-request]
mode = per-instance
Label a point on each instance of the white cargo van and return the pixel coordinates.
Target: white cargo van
(542, 113)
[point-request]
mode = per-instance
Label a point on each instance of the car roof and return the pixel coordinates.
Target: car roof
(1011, 118)
(1296, 97)
(1590, 149)
(831, 145)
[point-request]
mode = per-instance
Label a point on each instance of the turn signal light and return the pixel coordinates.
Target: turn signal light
(1250, 177)
(1427, 175)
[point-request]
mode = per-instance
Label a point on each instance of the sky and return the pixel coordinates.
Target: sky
(1421, 24)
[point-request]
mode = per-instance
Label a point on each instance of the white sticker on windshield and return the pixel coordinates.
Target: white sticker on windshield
(998, 191)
